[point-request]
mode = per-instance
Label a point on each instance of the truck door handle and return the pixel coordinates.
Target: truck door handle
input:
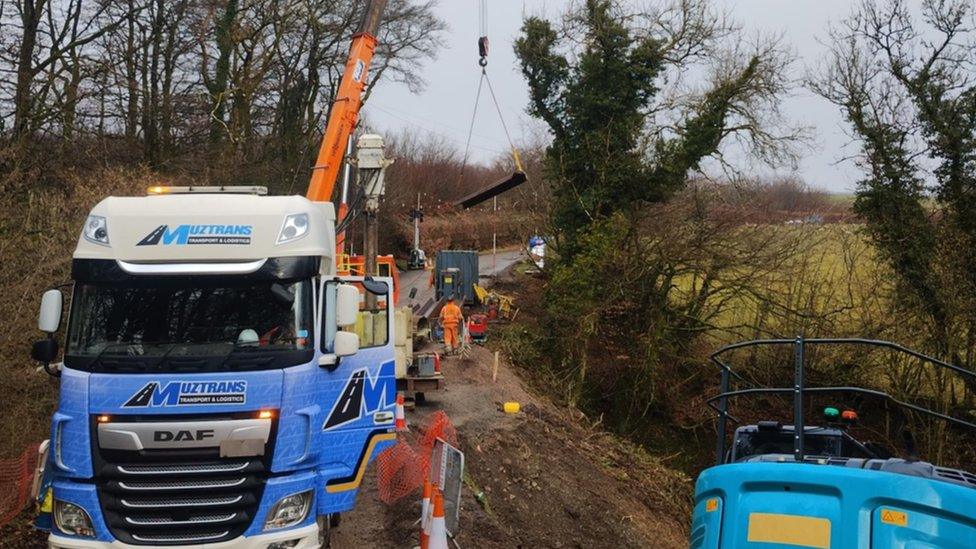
(307, 414)
(381, 418)
(57, 430)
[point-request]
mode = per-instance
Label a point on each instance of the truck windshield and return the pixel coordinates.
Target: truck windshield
(189, 324)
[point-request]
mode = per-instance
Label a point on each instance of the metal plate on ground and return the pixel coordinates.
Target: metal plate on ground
(447, 470)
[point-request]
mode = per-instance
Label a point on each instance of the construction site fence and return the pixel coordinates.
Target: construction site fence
(400, 469)
(16, 480)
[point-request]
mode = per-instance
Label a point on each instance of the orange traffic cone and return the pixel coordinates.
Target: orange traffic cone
(401, 420)
(425, 515)
(438, 527)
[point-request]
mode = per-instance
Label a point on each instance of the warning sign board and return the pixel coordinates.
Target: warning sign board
(447, 470)
(895, 518)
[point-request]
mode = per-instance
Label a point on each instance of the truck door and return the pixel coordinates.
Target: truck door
(360, 390)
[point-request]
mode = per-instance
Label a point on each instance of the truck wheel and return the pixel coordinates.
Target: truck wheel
(419, 399)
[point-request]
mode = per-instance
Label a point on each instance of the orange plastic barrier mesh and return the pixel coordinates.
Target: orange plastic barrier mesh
(400, 469)
(16, 477)
(438, 427)
(398, 472)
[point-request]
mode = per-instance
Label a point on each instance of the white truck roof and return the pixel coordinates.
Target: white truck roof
(209, 228)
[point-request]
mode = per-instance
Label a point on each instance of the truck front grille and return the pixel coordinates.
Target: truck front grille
(150, 503)
(179, 497)
(178, 503)
(156, 470)
(203, 484)
(199, 519)
(179, 539)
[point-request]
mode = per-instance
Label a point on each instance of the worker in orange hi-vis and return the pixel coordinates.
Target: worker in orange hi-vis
(451, 319)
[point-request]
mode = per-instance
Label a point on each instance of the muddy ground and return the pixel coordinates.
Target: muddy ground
(549, 478)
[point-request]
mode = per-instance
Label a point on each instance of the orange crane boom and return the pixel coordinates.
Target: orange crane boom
(342, 122)
(345, 108)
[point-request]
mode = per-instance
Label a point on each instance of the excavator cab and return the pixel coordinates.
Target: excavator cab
(770, 438)
(798, 485)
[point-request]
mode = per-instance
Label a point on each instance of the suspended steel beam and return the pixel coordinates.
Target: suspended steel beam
(492, 191)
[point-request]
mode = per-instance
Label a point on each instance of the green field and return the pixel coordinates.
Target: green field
(816, 280)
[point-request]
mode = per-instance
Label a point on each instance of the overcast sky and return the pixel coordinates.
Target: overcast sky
(445, 106)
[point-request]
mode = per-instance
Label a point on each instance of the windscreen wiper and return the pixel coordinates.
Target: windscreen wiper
(162, 357)
(101, 354)
(264, 354)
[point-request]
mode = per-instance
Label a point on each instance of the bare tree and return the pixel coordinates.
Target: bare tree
(253, 78)
(49, 34)
(902, 74)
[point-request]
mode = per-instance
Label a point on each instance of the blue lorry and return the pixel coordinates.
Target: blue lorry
(774, 489)
(220, 385)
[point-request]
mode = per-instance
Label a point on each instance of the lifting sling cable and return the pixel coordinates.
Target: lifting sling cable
(491, 90)
(467, 144)
(483, 63)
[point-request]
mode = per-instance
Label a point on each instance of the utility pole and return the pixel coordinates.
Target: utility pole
(416, 225)
(344, 200)
(417, 257)
(370, 241)
(494, 235)
(372, 163)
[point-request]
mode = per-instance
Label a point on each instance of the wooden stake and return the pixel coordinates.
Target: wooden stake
(494, 369)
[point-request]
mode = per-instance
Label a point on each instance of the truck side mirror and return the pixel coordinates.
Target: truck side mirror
(347, 306)
(49, 318)
(45, 350)
(346, 344)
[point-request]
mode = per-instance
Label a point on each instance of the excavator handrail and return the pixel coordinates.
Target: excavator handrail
(799, 389)
(842, 341)
(848, 389)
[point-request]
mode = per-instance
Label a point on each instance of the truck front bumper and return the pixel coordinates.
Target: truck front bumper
(304, 538)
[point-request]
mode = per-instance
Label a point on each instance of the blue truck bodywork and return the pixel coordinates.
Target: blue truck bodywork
(308, 452)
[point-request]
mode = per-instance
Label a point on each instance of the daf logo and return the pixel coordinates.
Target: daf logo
(177, 436)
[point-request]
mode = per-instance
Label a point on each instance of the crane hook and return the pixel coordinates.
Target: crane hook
(483, 51)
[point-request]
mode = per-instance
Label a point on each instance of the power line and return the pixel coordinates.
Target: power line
(421, 121)
(441, 134)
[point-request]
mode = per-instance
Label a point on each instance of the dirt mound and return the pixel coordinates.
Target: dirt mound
(550, 483)
(546, 478)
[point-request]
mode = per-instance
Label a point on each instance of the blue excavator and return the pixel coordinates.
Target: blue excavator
(778, 486)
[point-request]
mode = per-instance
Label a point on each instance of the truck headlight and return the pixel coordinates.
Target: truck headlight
(96, 230)
(294, 227)
(72, 519)
(288, 511)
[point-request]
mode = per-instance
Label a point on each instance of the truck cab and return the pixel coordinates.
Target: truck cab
(220, 385)
(772, 488)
